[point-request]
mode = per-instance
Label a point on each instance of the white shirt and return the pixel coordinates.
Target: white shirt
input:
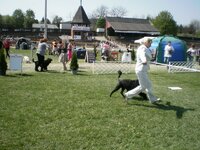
(192, 51)
(143, 56)
(167, 49)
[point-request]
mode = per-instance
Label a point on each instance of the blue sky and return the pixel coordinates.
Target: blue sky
(183, 11)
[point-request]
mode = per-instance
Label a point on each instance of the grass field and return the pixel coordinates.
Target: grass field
(53, 110)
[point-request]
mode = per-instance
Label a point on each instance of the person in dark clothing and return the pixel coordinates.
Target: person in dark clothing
(42, 46)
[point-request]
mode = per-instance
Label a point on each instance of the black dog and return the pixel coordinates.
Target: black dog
(127, 84)
(45, 64)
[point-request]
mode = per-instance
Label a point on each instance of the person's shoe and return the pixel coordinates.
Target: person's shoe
(155, 101)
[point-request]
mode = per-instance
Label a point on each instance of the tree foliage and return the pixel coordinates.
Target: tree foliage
(7, 22)
(48, 21)
(118, 12)
(57, 20)
(74, 62)
(165, 23)
(101, 22)
(29, 18)
(101, 11)
(18, 18)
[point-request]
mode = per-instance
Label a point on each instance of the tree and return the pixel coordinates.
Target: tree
(74, 63)
(195, 24)
(18, 18)
(191, 29)
(7, 22)
(101, 22)
(165, 23)
(1, 21)
(48, 21)
(57, 21)
(118, 12)
(29, 18)
(101, 11)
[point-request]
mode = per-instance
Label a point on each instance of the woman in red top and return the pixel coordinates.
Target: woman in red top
(6, 45)
(69, 50)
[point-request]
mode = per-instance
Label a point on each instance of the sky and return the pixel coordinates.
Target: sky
(183, 11)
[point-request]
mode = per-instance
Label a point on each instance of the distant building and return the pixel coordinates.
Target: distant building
(42, 26)
(119, 26)
(80, 25)
(65, 25)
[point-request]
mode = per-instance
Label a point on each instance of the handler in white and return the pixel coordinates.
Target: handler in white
(142, 66)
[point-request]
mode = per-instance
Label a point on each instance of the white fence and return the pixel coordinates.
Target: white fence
(111, 67)
(183, 66)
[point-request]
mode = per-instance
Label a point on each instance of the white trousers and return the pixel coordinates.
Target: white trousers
(145, 85)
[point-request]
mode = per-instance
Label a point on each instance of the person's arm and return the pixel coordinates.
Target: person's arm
(143, 57)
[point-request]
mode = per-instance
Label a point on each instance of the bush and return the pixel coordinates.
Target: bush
(133, 54)
(3, 63)
(74, 62)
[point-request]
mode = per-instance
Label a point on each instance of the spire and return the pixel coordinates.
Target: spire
(80, 2)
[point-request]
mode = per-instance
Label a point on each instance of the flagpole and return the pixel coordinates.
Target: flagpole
(45, 20)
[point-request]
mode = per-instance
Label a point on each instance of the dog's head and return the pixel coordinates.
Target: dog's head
(119, 73)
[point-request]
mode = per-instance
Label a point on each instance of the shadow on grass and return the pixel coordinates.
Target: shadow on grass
(19, 75)
(179, 110)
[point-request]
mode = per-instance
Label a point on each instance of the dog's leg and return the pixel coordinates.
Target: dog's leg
(122, 92)
(115, 89)
(143, 95)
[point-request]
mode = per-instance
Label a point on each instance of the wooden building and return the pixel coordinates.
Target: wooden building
(80, 25)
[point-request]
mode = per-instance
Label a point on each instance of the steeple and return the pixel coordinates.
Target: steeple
(80, 17)
(80, 2)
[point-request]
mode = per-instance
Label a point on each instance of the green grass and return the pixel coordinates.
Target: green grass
(52, 110)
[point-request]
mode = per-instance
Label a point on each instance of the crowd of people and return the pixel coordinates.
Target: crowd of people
(193, 53)
(60, 48)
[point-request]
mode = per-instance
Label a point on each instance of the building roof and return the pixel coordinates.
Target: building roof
(80, 17)
(131, 25)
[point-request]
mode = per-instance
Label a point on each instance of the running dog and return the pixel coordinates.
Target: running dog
(45, 64)
(127, 84)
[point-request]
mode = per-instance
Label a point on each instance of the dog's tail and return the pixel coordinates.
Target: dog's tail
(119, 73)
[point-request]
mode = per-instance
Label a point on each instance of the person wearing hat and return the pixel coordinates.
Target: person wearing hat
(143, 58)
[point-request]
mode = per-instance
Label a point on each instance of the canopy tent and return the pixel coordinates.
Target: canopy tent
(139, 41)
(158, 45)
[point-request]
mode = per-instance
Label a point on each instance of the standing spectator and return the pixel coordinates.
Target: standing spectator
(95, 51)
(191, 52)
(59, 47)
(63, 55)
(69, 50)
(42, 46)
(6, 45)
(169, 49)
(54, 48)
(106, 51)
(142, 66)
